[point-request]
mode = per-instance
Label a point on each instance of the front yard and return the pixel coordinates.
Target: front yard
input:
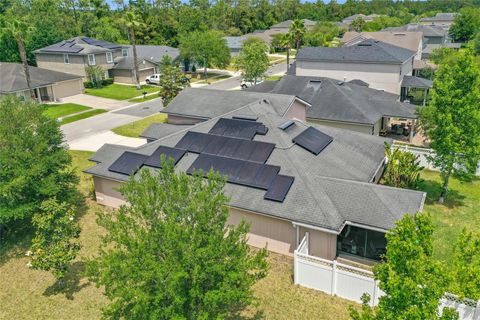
(30, 294)
(70, 112)
(120, 92)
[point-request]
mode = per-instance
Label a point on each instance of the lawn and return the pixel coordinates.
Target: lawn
(461, 210)
(56, 111)
(120, 92)
(82, 115)
(30, 294)
(134, 129)
(147, 98)
(273, 78)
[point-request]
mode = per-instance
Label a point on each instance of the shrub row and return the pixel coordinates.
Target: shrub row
(105, 82)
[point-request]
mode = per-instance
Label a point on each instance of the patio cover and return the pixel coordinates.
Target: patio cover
(416, 82)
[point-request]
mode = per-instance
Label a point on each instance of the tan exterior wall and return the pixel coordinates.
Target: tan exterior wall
(55, 62)
(275, 234)
(297, 111)
(67, 88)
(123, 76)
(182, 120)
(379, 76)
(143, 74)
(344, 125)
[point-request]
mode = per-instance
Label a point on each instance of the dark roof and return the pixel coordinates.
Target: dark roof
(154, 53)
(427, 31)
(209, 103)
(367, 51)
(359, 82)
(13, 77)
(127, 62)
(80, 45)
(329, 189)
(342, 101)
(288, 23)
(416, 82)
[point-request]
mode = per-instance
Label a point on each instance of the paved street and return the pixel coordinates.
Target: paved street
(92, 133)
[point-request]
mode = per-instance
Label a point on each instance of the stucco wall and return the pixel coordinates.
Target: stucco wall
(297, 111)
(379, 76)
(67, 88)
(368, 129)
(55, 62)
(106, 192)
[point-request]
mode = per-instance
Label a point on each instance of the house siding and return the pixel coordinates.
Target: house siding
(380, 76)
(67, 88)
(297, 111)
(277, 235)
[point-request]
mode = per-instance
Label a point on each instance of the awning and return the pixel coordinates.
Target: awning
(423, 64)
(416, 82)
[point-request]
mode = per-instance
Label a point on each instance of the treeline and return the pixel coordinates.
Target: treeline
(165, 21)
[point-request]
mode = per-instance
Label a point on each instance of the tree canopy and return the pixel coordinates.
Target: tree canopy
(172, 80)
(451, 120)
(466, 24)
(170, 253)
(253, 59)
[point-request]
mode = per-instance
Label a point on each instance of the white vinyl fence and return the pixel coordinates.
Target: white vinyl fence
(351, 283)
(422, 154)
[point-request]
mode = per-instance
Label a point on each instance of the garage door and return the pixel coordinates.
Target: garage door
(143, 74)
(68, 88)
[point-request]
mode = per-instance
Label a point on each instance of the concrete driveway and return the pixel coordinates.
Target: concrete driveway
(91, 133)
(97, 102)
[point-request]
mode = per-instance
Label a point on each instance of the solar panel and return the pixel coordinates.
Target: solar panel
(242, 172)
(155, 159)
(101, 43)
(279, 188)
(245, 129)
(198, 142)
(128, 163)
(286, 125)
(313, 140)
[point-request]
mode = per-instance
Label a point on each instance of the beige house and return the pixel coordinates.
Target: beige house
(383, 66)
(408, 40)
(441, 19)
(279, 179)
(47, 85)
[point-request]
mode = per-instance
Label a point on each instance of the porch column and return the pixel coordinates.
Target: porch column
(414, 125)
(39, 96)
(425, 96)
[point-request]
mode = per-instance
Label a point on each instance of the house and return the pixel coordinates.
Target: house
(74, 55)
(279, 28)
(366, 18)
(285, 177)
(442, 19)
(431, 34)
(47, 85)
(347, 105)
(377, 63)
(235, 44)
(408, 40)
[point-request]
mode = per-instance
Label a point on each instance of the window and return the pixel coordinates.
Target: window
(361, 242)
(125, 52)
(66, 58)
(109, 57)
(91, 59)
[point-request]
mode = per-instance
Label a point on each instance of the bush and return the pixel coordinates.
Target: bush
(88, 84)
(107, 81)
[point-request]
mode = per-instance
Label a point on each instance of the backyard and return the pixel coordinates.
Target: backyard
(120, 92)
(30, 294)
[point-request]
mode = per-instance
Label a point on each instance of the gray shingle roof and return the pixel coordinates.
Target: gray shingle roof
(416, 82)
(209, 103)
(427, 31)
(441, 16)
(235, 43)
(160, 130)
(329, 189)
(127, 62)
(342, 101)
(288, 23)
(367, 51)
(13, 77)
(154, 53)
(80, 45)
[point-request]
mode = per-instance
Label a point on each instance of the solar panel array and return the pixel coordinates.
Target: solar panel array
(197, 142)
(245, 129)
(313, 140)
(66, 47)
(130, 162)
(101, 43)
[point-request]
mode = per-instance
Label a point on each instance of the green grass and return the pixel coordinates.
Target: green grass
(82, 115)
(273, 78)
(460, 210)
(32, 294)
(55, 111)
(134, 129)
(147, 98)
(120, 92)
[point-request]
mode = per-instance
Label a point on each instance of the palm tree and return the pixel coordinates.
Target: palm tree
(131, 22)
(16, 29)
(297, 31)
(286, 43)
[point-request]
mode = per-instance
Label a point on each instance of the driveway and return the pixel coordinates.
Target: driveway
(96, 102)
(91, 133)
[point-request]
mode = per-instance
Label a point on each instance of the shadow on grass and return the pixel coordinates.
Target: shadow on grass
(434, 189)
(15, 240)
(70, 284)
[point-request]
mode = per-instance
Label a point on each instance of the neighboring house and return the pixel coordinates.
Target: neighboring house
(407, 40)
(369, 18)
(47, 85)
(352, 106)
(196, 105)
(279, 28)
(429, 48)
(74, 55)
(285, 178)
(444, 20)
(431, 34)
(234, 44)
(383, 66)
